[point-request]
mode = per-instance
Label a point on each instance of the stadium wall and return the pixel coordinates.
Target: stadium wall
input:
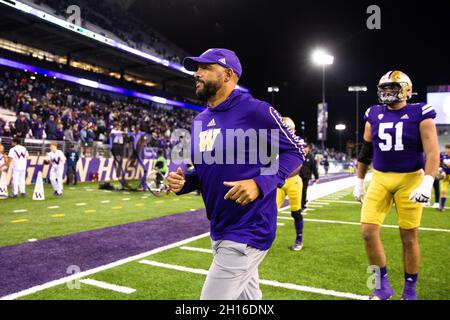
(85, 168)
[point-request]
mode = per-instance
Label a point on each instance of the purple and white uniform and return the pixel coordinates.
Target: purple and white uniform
(396, 136)
(57, 160)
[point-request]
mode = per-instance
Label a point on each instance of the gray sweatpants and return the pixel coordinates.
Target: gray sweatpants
(233, 274)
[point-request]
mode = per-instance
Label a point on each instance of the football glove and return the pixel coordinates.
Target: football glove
(359, 192)
(423, 193)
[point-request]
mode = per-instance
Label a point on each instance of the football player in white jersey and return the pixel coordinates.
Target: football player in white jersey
(57, 160)
(19, 156)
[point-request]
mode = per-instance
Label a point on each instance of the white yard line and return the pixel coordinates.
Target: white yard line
(20, 211)
(53, 207)
(80, 204)
(196, 249)
(319, 202)
(341, 201)
(108, 286)
(86, 273)
(271, 283)
(105, 201)
(358, 224)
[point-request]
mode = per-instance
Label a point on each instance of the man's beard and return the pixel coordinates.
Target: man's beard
(208, 91)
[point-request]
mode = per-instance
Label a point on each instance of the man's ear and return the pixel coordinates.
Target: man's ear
(228, 75)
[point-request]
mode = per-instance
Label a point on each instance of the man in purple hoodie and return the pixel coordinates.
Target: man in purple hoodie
(241, 151)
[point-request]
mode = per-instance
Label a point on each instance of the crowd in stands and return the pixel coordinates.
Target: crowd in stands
(56, 110)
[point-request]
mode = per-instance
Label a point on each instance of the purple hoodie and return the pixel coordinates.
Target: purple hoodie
(253, 224)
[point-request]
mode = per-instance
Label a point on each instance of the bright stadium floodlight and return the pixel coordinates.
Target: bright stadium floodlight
(321, 58)
(357, 89)
(340, 127)
(273, 90)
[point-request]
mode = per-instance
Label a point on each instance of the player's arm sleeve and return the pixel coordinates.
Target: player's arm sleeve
(427, 112)
(290, 150)
(367, 114)
(192, 183)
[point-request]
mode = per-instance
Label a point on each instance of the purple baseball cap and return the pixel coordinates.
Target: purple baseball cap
(224, 57)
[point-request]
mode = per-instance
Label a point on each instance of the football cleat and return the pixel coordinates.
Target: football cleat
(384, 293)
(298, 246)
(409, 296)
(22, 195)
(409, 293)
(436, 205)
(394, 86)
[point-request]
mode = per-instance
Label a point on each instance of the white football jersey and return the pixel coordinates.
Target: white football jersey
(19, 156)
(57, 158)
(2, 160)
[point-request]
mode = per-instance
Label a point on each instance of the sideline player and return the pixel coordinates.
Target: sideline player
(293, 189)
(239, 196)
(396, 136)
(19, 156)
(445, 182)
(57, 160)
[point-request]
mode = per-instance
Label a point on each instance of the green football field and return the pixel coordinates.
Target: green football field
(82, 207)
(332, 265)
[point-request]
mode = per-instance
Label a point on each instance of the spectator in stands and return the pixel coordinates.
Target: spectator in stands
(68, 135)
(22, 126)
(50, 128)
(37, 127)
(60, 132)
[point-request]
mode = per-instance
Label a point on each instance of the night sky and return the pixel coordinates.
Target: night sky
(274, 41)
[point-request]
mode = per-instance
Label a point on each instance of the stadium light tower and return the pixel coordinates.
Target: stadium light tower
(273, 90)
(357, 89)
(340, 127)
(321, 58)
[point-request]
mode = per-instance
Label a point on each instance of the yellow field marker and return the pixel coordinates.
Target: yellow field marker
(90, 211)
(159, 201)
(116, 207)
(175, 199)
(58, 215)
(19, 220)
(140, 204)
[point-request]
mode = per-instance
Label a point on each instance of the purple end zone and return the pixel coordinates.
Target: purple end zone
(29, 264)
